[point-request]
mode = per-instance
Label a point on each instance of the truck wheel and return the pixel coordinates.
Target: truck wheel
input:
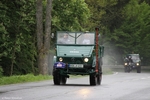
(99, 78)
(139, 69)
(63, 79)
(92, 79)
(56, 77)
(127, 69)
(99, 75)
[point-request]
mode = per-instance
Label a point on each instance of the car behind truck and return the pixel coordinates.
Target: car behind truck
(78, 53)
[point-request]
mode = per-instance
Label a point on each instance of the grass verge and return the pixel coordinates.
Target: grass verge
(23, 78)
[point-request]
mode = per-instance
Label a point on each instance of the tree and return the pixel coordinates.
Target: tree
(43, 39)
(107, 15)
(17, 48)
(133, 34)
(70, 15)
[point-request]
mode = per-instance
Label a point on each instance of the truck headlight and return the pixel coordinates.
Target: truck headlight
(60, 59)
(86, 59)
(125, 64)
(137, 64)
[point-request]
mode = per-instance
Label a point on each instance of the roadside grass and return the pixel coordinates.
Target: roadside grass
(32, 78)
(23, 78)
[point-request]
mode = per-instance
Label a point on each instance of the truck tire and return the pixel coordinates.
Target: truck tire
(99, 75)
(99, 78)
(139, 69)
(127, 69)
(56, 77)
(63, 79)
(93, 79)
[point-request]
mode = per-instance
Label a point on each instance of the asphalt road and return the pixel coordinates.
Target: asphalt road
(117, 86)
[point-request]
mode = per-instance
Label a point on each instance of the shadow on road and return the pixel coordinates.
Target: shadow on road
(87, 85)
(78, 85)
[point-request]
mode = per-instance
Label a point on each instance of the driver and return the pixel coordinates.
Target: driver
(130, 58)
(64, 39)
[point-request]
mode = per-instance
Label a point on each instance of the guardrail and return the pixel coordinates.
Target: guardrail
(121, 68)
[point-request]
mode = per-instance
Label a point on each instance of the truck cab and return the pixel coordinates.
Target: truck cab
(78, 53)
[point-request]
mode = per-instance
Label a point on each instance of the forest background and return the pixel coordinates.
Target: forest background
(124, 26)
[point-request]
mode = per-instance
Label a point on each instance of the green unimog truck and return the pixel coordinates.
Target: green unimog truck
(78, 53)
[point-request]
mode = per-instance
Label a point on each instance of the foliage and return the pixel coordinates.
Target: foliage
(17, 36)
(18, 41)
(124, 24)
(133, 34)
(70, 15)
(106, 13)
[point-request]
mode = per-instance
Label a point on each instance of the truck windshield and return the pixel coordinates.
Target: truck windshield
(135, 58)
(75, 38)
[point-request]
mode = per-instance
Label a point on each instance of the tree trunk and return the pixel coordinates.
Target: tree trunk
(43, 46)
(12, 60)
(47, 35)
(40, 47)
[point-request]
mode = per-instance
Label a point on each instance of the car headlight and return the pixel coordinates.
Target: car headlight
(137, 64)
(86, 59)
(60, 59)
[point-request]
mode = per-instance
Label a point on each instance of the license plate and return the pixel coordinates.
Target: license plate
(76, 65)
(59, 65)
